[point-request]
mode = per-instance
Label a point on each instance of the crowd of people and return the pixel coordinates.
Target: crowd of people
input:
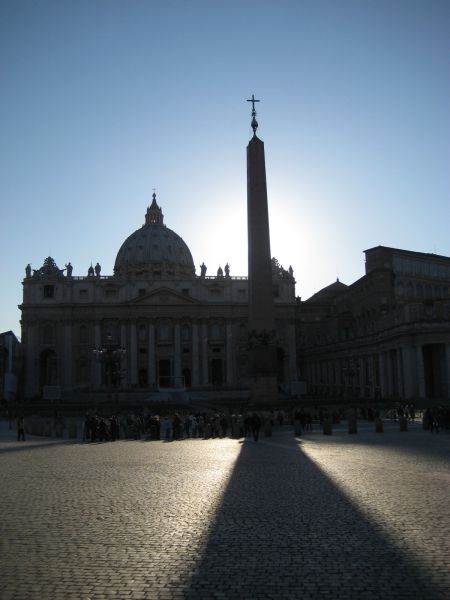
(145, 425)
(177, 426)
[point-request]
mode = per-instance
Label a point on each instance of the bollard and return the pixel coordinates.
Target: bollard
(378, 425)
(352, 425)
(327, 426)
(403, 424)
(268, 429)
(297, 429)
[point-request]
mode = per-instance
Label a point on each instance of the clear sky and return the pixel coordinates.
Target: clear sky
(103, 100)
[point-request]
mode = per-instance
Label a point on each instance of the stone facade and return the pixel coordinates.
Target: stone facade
(153, 324)
(386, 336)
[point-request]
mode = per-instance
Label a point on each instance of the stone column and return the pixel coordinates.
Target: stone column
(420, 372)
(177, 353)
(292, 349)
(383, 375)
(205, 374)
(124, 362)
(32, 361)
(400, 371)
(195, 356)
(361, 378)
(68, 355)
(409, 372)
(229, 353)
(133, 354)
(389, 374)
(447, 363)
(97, 363)
(151, 355)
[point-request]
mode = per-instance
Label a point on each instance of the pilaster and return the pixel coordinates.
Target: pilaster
(133, 353)
(205, 374)
(151, 355)
(68, 356)
(177, 353)
(229, 353)
(195, 355)
(420, 372)
(97, 364)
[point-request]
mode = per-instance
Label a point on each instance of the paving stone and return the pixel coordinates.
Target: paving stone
(352, 517)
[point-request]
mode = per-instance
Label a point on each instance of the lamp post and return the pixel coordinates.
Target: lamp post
(112, 361)
(118, 358)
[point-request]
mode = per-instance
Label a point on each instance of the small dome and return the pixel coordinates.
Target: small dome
(154, 251)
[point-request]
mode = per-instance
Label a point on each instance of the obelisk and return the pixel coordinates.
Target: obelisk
(262, 360)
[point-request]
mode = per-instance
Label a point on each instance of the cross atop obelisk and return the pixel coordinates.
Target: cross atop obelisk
(254, 121)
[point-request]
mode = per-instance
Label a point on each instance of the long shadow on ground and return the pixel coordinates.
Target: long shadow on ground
(285, 531)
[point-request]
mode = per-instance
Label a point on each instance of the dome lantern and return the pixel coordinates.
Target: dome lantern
(154, 213)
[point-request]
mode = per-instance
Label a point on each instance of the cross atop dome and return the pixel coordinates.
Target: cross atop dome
(154, 215)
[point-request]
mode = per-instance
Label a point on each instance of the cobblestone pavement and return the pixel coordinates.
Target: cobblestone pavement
(348, 517)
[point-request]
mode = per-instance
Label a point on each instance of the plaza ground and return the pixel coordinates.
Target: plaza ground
(360, 516)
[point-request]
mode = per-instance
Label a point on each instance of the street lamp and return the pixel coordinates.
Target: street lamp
(112, 359)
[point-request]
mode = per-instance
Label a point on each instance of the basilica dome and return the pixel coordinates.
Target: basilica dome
(154, 251)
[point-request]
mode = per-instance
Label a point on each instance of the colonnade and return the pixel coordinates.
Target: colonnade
(397, 372)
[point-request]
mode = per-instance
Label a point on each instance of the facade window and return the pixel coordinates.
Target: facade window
(164, 331)
(48, 334)
(215, 331)
(185, 332)
(83, 334)
(276, 291)
(141, 292)
(49, 291)
(111, 293)
(82, 294)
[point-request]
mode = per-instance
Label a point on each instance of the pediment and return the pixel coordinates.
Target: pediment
(164, 296)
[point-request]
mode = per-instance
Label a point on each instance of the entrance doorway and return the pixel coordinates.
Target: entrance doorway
(187, 377)
(217, 371)
(164, 372)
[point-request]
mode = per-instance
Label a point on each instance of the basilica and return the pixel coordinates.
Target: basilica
(153, 325)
